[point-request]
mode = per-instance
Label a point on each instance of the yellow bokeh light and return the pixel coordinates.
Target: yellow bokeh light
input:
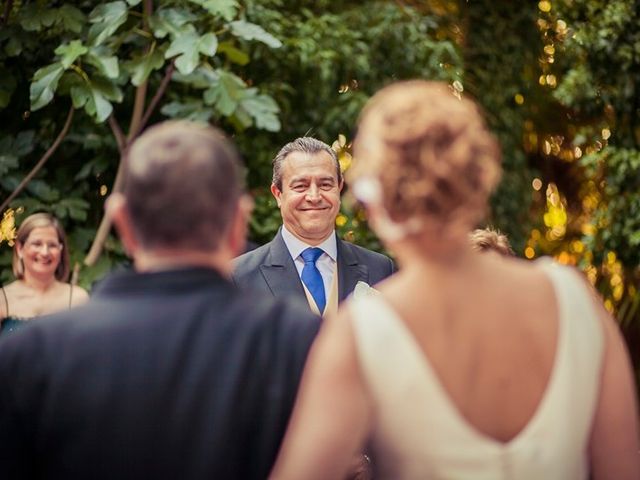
(551, 80)
(611, 257)
(535, 234)
(588, 229)
(542, 80)
(549, 49)
(618, 291)
(577, 152)
(606, 133)
(103, 190)
(529, 252)
(577, 246)
(561, 26)
(608, 305)
(536, 184)
(341, 220)
(544, 6)
(519, 99)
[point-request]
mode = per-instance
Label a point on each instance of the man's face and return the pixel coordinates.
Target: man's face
(310, 198)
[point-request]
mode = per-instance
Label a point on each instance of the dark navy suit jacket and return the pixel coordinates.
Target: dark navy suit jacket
(163, 375)
(271, 269)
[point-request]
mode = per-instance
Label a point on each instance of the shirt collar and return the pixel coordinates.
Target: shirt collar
(297, 246)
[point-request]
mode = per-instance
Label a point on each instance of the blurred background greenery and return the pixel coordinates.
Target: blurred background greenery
(559, 81)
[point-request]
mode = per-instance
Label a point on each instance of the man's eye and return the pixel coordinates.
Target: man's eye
(298, 187)
(327, 186)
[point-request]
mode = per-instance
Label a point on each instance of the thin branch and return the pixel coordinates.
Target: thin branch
(156, 98)
(117, 133)
(7, 11)
(105, 224)
(42, 161)
(138, 110)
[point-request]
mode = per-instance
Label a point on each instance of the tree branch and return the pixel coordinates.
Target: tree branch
(117, 133)
(138, 110)
(42, 161)
(105, 224)
(156, 98)
(7, 11)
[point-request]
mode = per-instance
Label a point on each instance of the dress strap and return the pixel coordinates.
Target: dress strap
(70, 294)
(6, 300)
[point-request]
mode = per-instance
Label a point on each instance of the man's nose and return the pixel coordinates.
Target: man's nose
(313, 193)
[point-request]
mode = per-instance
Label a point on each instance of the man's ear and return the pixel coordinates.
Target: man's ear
(275, 191)
(117, 212)
(341, 184)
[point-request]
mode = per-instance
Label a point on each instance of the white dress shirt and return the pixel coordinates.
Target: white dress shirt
(326, 263)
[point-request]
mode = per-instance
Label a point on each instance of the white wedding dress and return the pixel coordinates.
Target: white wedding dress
(420, 434)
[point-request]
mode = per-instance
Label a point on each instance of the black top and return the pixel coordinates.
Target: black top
(163, 375)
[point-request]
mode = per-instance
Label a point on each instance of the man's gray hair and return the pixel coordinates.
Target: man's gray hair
(308, 145)
(182, 186)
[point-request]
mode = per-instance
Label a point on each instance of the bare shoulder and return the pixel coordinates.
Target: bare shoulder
(78, 295)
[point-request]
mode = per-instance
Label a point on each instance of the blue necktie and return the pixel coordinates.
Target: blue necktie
(311, 276)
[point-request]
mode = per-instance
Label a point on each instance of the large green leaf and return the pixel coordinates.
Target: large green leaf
(43, 190)
(251, 31)
(227, 9)
(233, 54)
(188, 46)
(34, 18)
(44, 84)
(140, 67)
(71, 18)
(226, 94)
(80, 95)
(202, 77)
(102, 59)
(70, 52)
(106, 19)
(7, 162)
(188, 109)
(263, 109)
(170, 21)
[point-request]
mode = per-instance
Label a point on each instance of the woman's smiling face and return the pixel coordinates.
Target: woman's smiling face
(41, 251)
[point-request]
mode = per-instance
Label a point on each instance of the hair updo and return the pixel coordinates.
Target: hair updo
(432, 153)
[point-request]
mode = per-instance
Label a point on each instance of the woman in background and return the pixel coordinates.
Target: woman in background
(41, 269)
(466, 365)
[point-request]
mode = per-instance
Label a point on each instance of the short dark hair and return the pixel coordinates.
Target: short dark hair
(182, 185)
(306, 145)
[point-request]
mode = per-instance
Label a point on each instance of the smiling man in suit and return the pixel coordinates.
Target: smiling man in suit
(306, 259)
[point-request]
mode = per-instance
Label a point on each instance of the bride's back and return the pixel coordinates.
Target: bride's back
(490, 332)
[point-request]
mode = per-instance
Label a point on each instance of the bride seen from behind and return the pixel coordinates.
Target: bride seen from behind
(466, 365)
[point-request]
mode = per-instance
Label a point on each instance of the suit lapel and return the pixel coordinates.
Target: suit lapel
(350, 271)
(280, 272)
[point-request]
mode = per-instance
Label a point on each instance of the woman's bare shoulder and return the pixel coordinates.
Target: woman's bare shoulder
(78, 295)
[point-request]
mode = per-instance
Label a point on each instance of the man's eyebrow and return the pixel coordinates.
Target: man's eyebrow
(307, 178)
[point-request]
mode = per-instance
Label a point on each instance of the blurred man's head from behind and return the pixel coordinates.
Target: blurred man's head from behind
(182, 191)
(490, 240)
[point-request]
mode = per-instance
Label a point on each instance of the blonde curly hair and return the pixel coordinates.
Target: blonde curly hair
(432, 153)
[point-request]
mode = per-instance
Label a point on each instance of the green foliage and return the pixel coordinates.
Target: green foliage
(334, 56)
(106, 60)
